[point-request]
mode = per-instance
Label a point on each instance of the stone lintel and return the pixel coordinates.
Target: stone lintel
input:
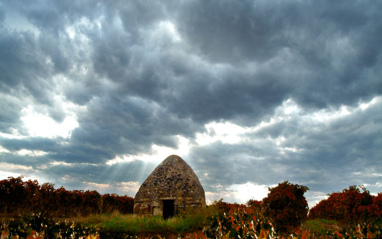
(168, 198)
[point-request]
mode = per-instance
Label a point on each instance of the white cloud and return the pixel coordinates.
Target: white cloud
(314, 197)
(6, 174)
(230, 133)
(226, 132)
(14, 134)
(41, 125)
(243, 192)
(122, 188)
(3, 150)
(75, 31)
(17, 170)
(372, 103)
(157, 153)
(289, 107)
(60, 163)
(169, 27)
(240, 193)
(17, 21)
(15, 167)
(165, 30)
(329, 115)
(98, 186)
(129, 187)
(33, 153)
(57, 163)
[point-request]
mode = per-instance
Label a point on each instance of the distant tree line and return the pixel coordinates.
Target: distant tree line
(287, 207)
(353, 205)
(285, 203)
(18, 197)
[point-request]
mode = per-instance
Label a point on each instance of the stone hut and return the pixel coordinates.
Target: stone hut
(170, 188)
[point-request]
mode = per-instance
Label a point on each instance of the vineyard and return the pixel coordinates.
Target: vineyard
(352, 213)
(18, 197)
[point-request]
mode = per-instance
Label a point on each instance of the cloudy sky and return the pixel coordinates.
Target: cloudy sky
(95, 94)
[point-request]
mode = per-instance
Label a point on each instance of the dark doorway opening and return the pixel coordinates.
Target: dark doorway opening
(168, 208)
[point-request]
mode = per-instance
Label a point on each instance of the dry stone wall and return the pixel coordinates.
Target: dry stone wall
(173, 180)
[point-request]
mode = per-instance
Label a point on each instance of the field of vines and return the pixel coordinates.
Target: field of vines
(240, 221)
(351, 213)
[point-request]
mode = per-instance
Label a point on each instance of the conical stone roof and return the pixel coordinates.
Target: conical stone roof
(173, 178)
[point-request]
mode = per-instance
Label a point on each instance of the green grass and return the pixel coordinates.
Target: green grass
(133, 225)
(322, 227)
(116, 225)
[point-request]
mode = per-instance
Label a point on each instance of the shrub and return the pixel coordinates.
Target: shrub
(286, 205)
(351, 205)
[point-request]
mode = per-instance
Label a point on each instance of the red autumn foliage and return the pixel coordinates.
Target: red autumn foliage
(20, 197)
(286, 205)
(254, 203)
(351, 205)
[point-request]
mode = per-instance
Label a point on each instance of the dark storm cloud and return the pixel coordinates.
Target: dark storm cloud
(10, 113)
(37, 143)
(124, 125)
(141, 73)
(327, 155)
(52, 17)
(2, 16)
(316, 36)
(349, 144)
(237, 164)
(226, 31)
(21, 62)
